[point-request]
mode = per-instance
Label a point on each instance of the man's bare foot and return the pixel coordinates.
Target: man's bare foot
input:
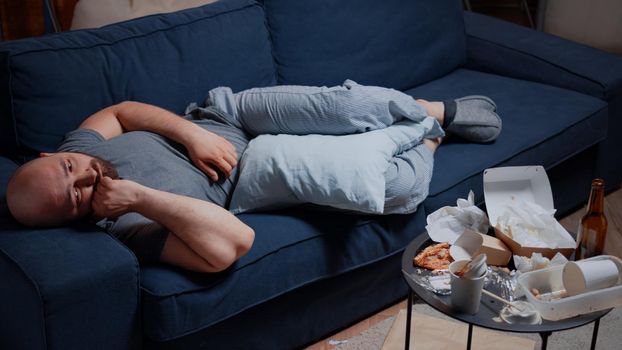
(434, 109)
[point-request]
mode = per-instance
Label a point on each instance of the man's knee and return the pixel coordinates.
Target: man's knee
(408, 179)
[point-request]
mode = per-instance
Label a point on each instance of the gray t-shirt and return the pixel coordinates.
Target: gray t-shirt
(157, 162)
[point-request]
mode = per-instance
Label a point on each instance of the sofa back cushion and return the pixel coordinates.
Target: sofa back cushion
(49, 85)
(392, 43)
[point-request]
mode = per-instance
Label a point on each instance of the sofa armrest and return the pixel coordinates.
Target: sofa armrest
(508, 49)
(64, 288)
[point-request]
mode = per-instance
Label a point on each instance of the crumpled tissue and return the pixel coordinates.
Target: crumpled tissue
(537, 261)
(448, 223)
(531, 225)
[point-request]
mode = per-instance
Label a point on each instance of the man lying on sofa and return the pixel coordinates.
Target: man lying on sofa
(159, 182)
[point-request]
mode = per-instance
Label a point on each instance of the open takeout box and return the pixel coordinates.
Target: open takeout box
(506, 186)
(550, 280)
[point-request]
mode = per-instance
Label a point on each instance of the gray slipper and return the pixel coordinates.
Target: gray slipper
(475, 119)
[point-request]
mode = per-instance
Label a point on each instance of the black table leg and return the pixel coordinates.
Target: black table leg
(409, 310)
(545, 339)
(595, 334)
(470, 336)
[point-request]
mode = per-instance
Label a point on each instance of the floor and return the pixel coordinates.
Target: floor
(613, 246)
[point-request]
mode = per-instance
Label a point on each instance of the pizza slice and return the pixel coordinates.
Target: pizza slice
(434, 257)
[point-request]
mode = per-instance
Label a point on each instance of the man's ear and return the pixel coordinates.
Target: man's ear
(45, 154)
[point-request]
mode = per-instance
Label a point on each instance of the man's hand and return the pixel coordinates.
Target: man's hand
(114, 198)
(209, 152)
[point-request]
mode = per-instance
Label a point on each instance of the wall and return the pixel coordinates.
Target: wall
(596, 23)
(24, 18)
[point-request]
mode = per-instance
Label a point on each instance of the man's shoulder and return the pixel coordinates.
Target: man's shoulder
(79, 139)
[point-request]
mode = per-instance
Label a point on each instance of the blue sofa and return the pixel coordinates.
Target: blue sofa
(310, 272)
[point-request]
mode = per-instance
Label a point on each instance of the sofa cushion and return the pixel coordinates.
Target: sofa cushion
(391, 43)
(48, 85)
(292, 249)
(542, 125)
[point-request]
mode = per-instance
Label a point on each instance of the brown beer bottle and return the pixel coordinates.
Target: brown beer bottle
(593, 227)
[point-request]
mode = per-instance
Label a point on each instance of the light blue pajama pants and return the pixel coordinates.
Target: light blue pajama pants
(347, 109)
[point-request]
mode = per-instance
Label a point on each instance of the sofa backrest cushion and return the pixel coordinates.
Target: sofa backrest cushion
(49, 85)
(392, 43)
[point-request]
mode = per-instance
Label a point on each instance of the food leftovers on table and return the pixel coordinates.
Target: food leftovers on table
(530, 225)
(550, 296)
(434, 257)
(537, 261)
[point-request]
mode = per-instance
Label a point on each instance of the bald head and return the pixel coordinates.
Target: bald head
(55, 188)
(30, 200)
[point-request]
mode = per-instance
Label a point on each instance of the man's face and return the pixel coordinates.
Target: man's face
(56, 188)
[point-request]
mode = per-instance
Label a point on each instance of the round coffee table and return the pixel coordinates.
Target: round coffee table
(489, 308)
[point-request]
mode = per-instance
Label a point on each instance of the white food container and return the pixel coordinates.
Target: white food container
(504, 186)
(549, 280)
(471, 243)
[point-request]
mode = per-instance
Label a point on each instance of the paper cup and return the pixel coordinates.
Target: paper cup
(584, 276)
(468, 244)
(465, 293)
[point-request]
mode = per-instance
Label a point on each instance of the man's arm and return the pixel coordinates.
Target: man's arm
(204, 148)
(209, 231)
(131, 116)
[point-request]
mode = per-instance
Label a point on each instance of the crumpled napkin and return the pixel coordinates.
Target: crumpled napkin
(448, 223)
(537, 261)
(531, 225)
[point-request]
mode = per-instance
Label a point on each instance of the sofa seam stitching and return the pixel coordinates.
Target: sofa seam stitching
(271, 40)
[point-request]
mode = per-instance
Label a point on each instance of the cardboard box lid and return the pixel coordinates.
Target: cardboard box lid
(505, 184)
(471, 243)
